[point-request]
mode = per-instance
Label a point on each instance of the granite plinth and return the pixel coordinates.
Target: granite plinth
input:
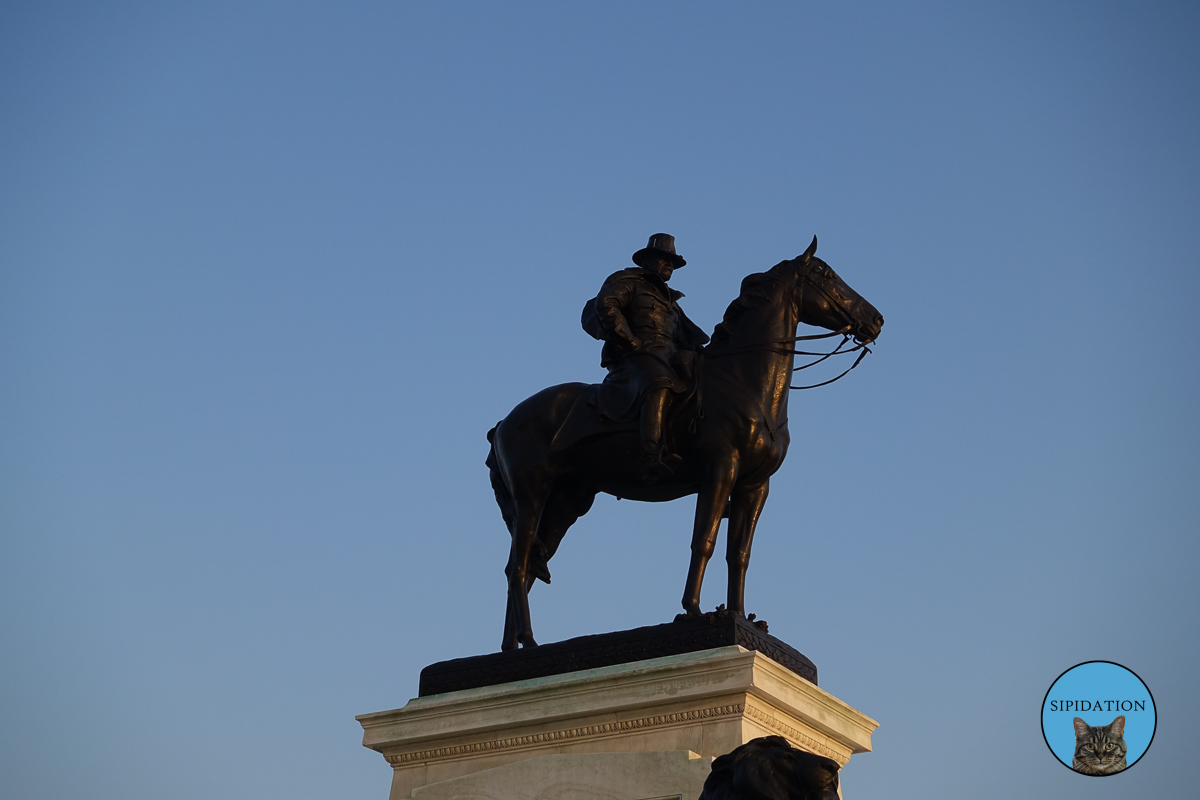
(684, 635)
(676, 713)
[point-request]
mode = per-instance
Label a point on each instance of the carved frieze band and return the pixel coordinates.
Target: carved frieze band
(401, 759)
(797, 737)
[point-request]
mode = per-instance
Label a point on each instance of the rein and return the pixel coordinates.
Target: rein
(857, 361)
(783, 347)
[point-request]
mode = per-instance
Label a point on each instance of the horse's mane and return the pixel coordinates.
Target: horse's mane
(758, 289)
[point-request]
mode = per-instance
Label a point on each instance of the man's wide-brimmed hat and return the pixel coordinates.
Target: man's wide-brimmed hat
(662, 245)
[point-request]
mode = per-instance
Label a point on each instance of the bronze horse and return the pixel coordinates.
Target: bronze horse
(732, 433)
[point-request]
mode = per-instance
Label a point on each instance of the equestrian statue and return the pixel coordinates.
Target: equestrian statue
(676, 415)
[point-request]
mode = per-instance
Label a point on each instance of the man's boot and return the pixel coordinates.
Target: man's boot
(654, 467)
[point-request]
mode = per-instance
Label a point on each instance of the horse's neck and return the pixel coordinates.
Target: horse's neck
(764, 368)
(767, 375)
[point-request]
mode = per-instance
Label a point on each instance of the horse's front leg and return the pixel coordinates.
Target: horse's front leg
(710, 503)
(747, 504)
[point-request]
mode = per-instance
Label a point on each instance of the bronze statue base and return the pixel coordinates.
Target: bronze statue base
(684, 635)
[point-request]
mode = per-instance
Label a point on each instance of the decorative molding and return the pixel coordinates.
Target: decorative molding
(604, 729)
(796, 736)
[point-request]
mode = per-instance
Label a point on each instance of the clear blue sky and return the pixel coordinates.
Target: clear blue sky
(252, 253)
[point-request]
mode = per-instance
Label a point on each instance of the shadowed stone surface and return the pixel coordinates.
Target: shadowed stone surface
(684, 635)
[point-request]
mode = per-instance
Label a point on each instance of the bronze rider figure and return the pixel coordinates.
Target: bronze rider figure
(649, 347)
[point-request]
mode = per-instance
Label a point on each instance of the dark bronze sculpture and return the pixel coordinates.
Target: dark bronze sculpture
(649, 348)
(723, 437)
(770, 769)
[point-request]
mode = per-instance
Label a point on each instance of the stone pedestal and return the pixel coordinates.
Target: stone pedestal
(646, 730)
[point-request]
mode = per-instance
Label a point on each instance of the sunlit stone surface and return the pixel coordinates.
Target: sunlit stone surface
(632, 731)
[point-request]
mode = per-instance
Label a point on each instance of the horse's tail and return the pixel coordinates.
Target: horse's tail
(504, 498)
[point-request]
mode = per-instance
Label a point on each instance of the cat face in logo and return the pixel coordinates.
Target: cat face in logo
(1099, 750)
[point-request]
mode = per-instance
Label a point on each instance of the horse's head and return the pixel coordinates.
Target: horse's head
(822, 298)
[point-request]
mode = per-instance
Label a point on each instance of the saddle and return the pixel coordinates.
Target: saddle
(584, 420)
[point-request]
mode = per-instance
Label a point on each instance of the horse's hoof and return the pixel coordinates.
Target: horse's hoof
(527, 641)
(507, 645)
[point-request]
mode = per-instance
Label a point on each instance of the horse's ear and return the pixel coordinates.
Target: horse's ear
(807, 254)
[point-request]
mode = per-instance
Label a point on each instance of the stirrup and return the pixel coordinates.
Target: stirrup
(655, 468)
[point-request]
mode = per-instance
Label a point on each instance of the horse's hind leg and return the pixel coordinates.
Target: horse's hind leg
(562, 508)
(747, 504)
(518, 628)
(567, 503)
(509, 617)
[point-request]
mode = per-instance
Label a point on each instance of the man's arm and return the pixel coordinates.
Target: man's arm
(615, 296)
